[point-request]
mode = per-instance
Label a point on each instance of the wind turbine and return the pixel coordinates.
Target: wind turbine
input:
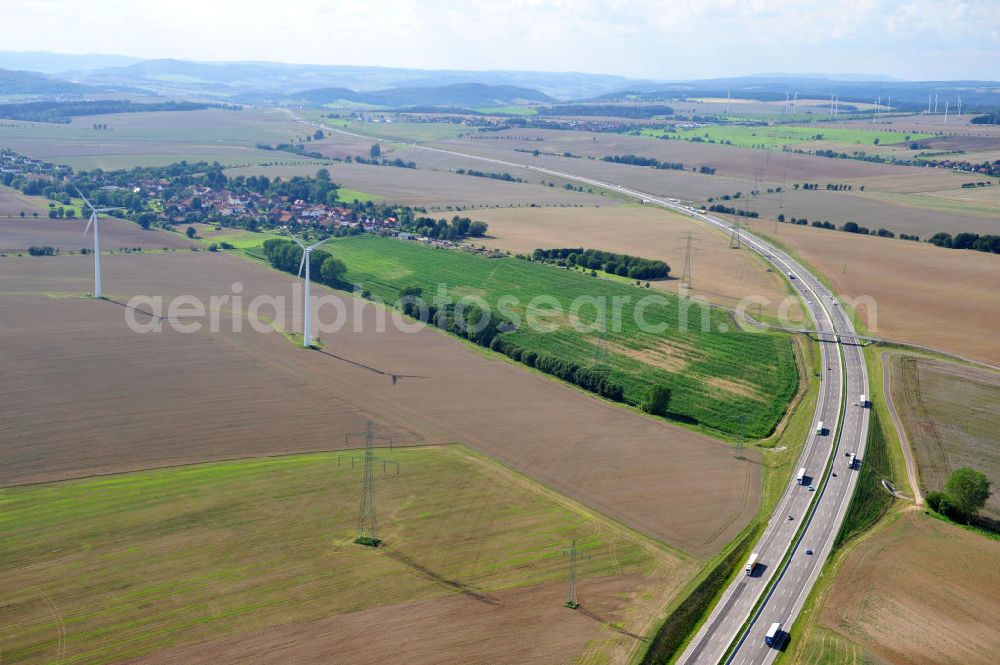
(97, 246)
(306, 252)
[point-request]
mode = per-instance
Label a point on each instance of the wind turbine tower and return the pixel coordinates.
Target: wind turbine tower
(306, 255)
(97, 242)
(946, 112)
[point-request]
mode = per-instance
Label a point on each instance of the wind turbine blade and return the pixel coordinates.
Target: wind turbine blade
(83, 197)
(302, 263)
(319, 243)
(93, 215)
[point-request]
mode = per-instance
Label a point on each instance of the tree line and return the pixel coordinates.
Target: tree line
(636, 160)
(457, 229)
(623, 265)
(64, 112)
(476, 325)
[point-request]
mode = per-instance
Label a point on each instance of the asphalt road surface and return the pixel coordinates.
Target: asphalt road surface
(805, 518)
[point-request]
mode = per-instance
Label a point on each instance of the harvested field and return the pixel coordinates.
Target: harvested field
(920, 290)
(919, 591)
(745, 164)
(186, 555)
(158, 138)
(424, 187)
(209, 396)
(719, 274)
(526, 626)
(17, 235)
(950, 412)
(13, 203)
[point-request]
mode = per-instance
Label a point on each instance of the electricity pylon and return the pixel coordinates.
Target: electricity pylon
(367, 531)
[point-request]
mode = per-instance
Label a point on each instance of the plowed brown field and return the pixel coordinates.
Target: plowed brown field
(920, 592)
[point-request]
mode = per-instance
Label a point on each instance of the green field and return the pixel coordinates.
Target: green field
(713, 374)
(121, 566)
(349, 195)
(774, 136)
(403, 132)
(508, 110)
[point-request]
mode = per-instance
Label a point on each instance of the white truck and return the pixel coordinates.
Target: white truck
(819, 428)
(801, 477)
(851, 461)
(773, 634)
(751, 563)
(863, 401)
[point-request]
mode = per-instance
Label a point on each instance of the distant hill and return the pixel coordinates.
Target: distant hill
(31, 83)
(45, 62)
(229, 79)
(463, 95)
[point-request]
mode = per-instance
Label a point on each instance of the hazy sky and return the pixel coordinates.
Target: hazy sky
(662, 39)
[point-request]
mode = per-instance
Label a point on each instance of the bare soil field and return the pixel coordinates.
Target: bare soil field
(771, 167)
(958, 125)
(921, 291)
(205, 395)
(950, 412)
(913, 213)
(919, 591)
(107, 569)
(434, 188)
(719, 274)
(159, 138)
(528, 626)
(13, 203)
(17, 235)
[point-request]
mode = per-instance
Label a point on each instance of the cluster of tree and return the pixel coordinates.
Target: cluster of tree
(635, 160)
(608, 110)
(707, 170)
(476, 325)
(286, 255)
(456, 229)
(623, 265)
(293, 148)
(64, 112)
(399, 163)
(965, 493)
(718, 207)
(986, 168)
(99, 125)
(506, 177)
(982, 243)
(987, 119)
(849, 227)
(594, 380)
(830, 187)
(973, 185)
(35, 250)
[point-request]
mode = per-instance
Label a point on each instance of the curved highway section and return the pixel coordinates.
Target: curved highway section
(810, 514)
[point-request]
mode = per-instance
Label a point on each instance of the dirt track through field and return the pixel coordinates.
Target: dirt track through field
(87, 395)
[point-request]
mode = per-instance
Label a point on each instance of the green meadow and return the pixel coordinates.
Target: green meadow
(713, 369)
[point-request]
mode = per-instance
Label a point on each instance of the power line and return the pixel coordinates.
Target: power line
(367, 529)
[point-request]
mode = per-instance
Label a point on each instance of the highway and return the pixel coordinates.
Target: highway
(804, 519)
